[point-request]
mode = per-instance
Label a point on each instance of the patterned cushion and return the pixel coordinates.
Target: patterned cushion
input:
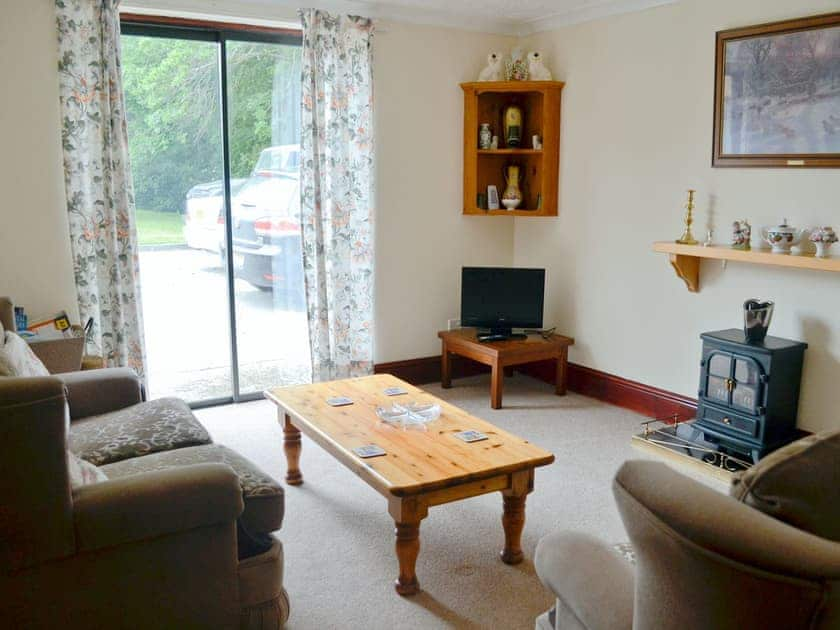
(263, 495)
(148, 427)
(17, 358)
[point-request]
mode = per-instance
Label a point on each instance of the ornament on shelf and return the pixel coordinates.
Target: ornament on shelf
(493, 71)
(512, 196)
(513, 125)
(741, 231)
(687, 237)
(708, 242)
(823, 238)
(485, 136)
(536, 70)
(494, 143)
(516, 69)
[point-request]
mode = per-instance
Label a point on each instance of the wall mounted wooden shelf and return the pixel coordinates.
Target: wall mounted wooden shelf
(685, 259)
(484, 102)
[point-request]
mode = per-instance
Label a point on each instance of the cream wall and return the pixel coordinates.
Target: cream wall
(35, 266)
(636, 132)
(422, 239)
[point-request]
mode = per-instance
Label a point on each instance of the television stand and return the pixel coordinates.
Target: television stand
(503, 354)
(498, 334)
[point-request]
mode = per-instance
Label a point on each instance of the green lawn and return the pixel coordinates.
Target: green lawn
(159, 228)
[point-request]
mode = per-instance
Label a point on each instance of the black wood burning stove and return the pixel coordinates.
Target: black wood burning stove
(749, 392)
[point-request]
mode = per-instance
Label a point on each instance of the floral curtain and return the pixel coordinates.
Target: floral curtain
(337, 192)
(97, 178)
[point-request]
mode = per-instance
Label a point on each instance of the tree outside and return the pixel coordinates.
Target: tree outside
(173, 109)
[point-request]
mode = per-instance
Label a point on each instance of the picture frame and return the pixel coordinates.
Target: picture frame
(777, 94)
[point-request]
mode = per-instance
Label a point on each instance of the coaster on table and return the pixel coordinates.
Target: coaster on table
(369, 450)
(394, 391)
(339, 401)
(471, 436)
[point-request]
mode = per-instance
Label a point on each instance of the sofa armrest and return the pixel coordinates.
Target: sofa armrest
(155, 504)
(92, 392)
(593, 583)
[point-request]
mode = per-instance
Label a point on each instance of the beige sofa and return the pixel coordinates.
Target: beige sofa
(179, 536)
(767, 557)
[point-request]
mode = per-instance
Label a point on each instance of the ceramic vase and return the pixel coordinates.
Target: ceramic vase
(485, 136)
(512, 196)
(822, 249)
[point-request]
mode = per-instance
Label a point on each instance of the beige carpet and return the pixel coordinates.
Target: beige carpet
(338, 537)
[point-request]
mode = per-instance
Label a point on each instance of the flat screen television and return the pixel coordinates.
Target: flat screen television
(500, 299)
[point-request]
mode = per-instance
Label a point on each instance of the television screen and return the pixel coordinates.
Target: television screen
(502, 298)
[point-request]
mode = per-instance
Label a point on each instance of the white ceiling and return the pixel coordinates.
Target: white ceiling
(511, 17)
(508, 17)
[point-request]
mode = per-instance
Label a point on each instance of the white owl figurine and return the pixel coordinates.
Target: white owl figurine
(536, 70)
(494, 70)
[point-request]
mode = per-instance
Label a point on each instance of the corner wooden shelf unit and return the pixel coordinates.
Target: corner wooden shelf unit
(685, 259)
(485, 102)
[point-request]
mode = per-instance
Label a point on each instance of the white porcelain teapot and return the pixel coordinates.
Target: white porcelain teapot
(782, 237)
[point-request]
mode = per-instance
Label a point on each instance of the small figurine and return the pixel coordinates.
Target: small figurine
(493, 70)
(741, 231)
(708, 241)
(494, 143)
(823, 238)
(516, 69)
(536, 70)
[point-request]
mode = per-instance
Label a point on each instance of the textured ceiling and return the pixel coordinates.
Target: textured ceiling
(516, 17)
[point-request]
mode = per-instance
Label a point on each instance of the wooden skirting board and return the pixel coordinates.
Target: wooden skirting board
(644, 399)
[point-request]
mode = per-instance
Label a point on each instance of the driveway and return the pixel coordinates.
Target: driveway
(185, 311)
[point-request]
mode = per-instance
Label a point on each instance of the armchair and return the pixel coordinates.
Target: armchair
(703, 560)
(157, 548)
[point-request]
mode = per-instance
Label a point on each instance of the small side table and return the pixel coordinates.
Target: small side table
(503, 354)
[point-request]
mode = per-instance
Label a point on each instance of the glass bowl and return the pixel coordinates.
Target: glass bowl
(412, 415)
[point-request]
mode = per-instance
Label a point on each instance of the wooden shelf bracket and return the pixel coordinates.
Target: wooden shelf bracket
(688, 269)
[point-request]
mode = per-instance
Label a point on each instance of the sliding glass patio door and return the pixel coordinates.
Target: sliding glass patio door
(213, 122)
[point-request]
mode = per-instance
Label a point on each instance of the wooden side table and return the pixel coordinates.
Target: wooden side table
(503, 354)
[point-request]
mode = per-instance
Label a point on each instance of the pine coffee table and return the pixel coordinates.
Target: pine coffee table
(420, 468)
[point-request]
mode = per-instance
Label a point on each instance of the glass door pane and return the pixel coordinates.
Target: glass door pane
(173, 96)
(263, 100)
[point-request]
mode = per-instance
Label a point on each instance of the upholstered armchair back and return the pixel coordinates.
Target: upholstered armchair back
(36, 517)
(705, 560)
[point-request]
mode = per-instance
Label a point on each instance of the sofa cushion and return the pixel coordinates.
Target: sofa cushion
(263, 495)
(82, 473)
(17, 358)
(798, 484)
(148, 427)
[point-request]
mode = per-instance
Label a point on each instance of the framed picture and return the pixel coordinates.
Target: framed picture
(777, 94)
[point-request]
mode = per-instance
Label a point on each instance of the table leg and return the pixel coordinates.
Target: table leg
(445, 368)
(497, 377)
(407, 514)
(291, 446)
(562, 372)
(513, 517)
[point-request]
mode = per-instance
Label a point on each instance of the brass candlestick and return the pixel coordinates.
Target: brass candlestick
(687, 237)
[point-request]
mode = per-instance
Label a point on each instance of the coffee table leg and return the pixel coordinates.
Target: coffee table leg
(562, 372)
(513, 517)
(407, 513)
(408, 548)
(291, 445)
(497, 378)
(445, 368)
